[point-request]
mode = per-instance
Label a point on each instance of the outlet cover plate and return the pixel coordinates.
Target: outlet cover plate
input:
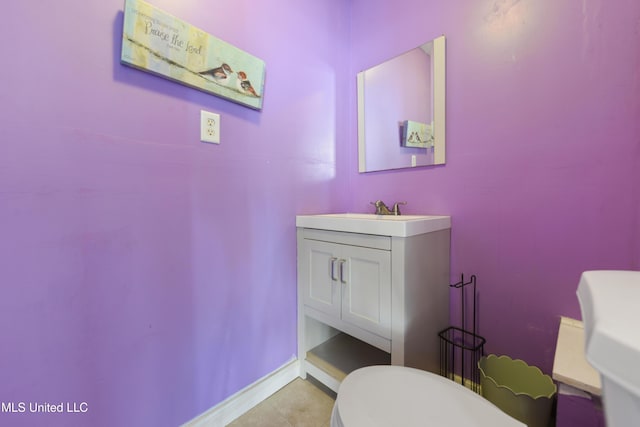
(209, 127)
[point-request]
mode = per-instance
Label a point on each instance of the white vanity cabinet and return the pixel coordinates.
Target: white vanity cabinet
(347, 281)
(371, 290)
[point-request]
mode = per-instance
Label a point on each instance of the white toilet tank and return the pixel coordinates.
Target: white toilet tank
(610, 305)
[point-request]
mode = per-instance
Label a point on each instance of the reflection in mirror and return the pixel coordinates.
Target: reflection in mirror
(401, 110)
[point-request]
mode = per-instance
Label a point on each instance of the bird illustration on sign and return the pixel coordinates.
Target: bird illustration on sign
(219, 74)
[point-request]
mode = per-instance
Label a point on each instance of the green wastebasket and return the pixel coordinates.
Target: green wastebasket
(520, 390)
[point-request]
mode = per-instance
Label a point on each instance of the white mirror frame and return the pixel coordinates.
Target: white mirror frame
(439, 107)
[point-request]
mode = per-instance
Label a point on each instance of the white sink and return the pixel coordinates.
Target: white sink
(384, 225)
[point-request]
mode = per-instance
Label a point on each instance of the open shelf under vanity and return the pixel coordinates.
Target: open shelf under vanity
(341, 355)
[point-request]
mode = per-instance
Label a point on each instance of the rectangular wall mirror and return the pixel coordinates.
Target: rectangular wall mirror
(401, 110)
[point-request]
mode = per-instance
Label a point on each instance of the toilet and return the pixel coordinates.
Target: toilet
(609, 305)
(387, 396)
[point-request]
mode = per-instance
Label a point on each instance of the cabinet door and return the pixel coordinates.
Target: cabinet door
(319, 266)
(366, 289)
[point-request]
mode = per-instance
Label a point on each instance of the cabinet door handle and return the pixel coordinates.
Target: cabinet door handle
(332, 268)
(341, 266)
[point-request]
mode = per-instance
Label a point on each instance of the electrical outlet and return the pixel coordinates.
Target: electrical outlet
(209, 127)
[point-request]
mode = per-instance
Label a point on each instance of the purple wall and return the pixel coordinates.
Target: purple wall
(143, 272)
(152, 276)
(543, 147)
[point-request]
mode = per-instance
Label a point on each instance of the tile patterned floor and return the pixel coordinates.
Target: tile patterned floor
(298, 404)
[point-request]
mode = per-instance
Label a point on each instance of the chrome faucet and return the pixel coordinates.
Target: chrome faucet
(382, 209)
(396, 207)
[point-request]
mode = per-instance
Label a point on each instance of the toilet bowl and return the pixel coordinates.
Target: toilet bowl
(400, 396)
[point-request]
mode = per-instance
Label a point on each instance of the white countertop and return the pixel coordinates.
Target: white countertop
(570, 365)
(383, 225)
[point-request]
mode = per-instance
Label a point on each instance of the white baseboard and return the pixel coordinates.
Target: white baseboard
(236, 405)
